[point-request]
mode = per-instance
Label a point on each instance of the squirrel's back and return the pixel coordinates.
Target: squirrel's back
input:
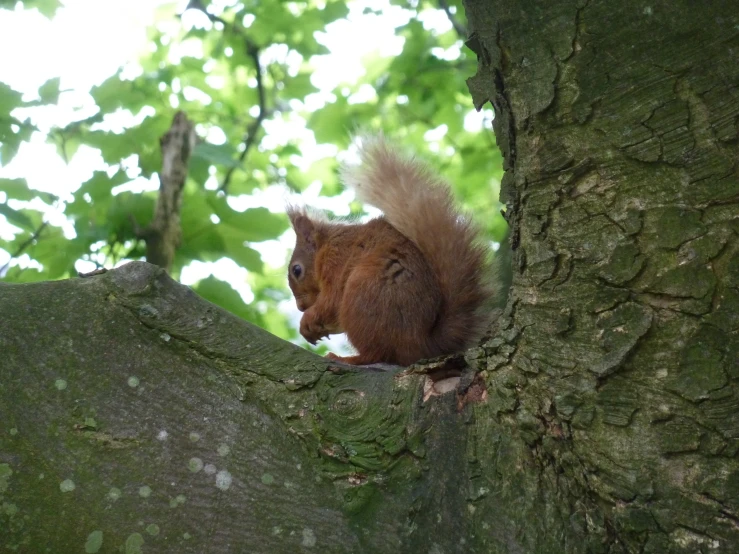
(419, 204)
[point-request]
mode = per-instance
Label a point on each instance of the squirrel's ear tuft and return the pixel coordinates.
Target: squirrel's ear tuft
(302, 224)
(294, 212)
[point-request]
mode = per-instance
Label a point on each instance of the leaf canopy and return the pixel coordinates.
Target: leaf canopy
(248, 74)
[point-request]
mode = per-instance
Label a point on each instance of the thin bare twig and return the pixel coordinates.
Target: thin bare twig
(252, 50)
(461, 29)
(250, 137)
(21, 247)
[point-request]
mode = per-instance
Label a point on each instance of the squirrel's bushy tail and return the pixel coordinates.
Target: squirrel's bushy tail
(419, 204)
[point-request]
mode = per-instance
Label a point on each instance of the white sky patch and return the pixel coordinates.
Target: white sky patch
(214, 135)
(195, 19)
(118, 121)
(449, 54)
(353, 38)
(193, 94)
(38, 162)
(474, 121)
(224, 269)
(366, 93)
(436, 134)
(436, 20)
(87, 41)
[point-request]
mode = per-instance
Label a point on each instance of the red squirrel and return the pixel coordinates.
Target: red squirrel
(411, 284)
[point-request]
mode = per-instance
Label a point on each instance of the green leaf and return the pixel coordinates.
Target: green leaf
(49, 91)
(197, 170)
(222, 294)
(52, 250)
(99, 186)
(14, 217)
(255, 224)
(113, 147)
(325, 172)
(28, 275)
(116, 93)
(242, 183)
(145, 141)
(203, 242)
(67, 143)
(239, 252)
(126, 206)
(217, 154)
(58, 254)
(47, 8)
(299, 86)
(12, 133)
(9, 99)
(210, 242)
(17, 189)
(329, 124)
(335, 10)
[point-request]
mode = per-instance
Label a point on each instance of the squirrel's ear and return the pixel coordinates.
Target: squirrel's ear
(302, 225)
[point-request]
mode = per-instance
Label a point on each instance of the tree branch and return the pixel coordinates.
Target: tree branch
(461, 29)
(164, 234)
(182, 414)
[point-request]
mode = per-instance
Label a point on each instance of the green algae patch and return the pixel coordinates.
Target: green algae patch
(5, 473)
(152, 529)
(67, 485)
(195, 464)
(134, 542)
(9, 509)
(94, 542)
(268, 479)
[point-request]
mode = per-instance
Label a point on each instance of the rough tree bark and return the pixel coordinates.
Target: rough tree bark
(617, 368)
(601, 415)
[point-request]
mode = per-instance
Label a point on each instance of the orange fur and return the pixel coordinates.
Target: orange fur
(409, 285)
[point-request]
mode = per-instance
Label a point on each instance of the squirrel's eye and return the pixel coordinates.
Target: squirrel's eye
(297, 270)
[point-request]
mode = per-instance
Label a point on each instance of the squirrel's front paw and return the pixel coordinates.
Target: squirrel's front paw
(312, 330)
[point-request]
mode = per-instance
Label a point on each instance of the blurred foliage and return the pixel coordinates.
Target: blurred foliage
(248, 70)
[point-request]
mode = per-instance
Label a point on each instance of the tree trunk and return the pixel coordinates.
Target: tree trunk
(602, 415)
(616, 389)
